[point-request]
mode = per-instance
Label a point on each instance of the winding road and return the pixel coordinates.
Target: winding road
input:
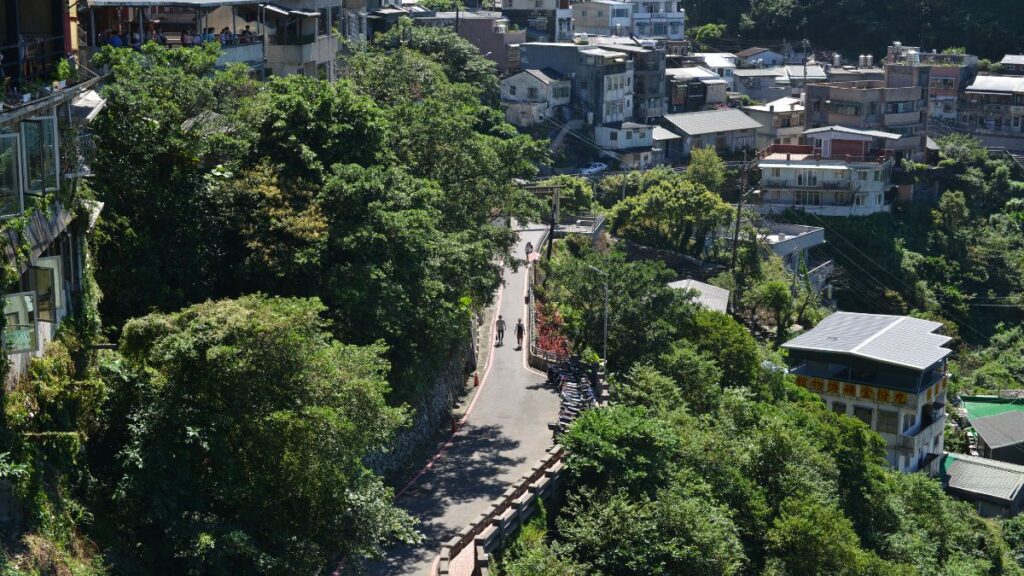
(503, 433)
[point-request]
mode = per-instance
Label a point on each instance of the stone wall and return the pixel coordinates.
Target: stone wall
(433, 415)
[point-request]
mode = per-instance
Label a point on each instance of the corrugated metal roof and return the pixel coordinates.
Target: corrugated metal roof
(1000, 430)
(1016, 59)
(753, 52)
(169, 3)
(898, 340)
(545, 75)
(712, 121)
(814, 72)
(661, 134)
(708, 296)
(997, 84)
(982, 476)
(777, 71)
(690, 72)
(784, 104)
(872, 133)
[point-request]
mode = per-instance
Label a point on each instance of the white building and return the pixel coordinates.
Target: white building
(721, 63)
(633, 143)
(603, 17)
(658, 19)
(845, 172)
(532, 96)
(887, 371)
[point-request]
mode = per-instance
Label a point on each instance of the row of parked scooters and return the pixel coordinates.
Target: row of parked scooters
(574, 382)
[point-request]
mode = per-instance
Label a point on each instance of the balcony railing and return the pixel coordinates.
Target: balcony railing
(292, 39)
(825, 185)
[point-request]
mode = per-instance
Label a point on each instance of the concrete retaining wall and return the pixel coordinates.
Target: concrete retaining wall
(502, 520)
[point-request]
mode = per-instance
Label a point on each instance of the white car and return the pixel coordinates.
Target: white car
(593, 168)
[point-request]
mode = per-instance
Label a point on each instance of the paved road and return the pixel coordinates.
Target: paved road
(504, 434)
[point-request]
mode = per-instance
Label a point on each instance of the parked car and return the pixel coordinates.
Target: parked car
(593, 168)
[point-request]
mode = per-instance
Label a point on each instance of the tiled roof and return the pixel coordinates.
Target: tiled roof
(545, 75)
(708, 296)
(752, 52)
(1000, 430)
(982, 476)
(711, 121)
(897, 340)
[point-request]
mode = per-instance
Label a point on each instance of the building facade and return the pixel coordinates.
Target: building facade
(782, 121)
(993, 105)
(726, 131)
(887, 371)
(532, 96)
(543, 20)
(948, 75)
(603, 17)
(872, 105)
(633, 143)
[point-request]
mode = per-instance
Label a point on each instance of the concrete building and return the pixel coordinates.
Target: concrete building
(658, 19)
(873, 106)
(844, 172)
(543, 20)
(726, 130)
(782, 121)
(633, 143)
(532, 96)
(693, 88)
(948, 76)
(603, 17)
(887, 371)
(721, 63)
(854, 74)
(491, 33)
(796, 245)
(758, 57)
(602, 80)
(996, 489)
(1013, 64)
(993, 105)
(648, 59)
(763, 84)
(800, 75)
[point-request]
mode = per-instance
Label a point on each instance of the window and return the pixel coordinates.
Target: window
(21, 329)
(39, 142)
(878, 175)
(888, 421)
(511, 90)
(776, 172)
(808, 197)
(878, 199)
(839, 407)
(324, 22)
(531, 92)
(862, 174)
(44, 284)
(614, 136)
(858, 200)
(629, 134)
(10, 176)
(863, 414)
(643, 134)
(909, 421)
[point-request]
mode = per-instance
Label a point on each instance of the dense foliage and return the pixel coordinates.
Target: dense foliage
(988, 29)
(709, 461)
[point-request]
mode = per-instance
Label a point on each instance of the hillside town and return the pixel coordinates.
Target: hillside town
(762, 299)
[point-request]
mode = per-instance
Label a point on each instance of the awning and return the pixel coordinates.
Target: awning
(275, 9)
(167, 3)
(304, 13)
(88, 105)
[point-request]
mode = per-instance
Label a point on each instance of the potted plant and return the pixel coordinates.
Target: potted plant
(63, 73)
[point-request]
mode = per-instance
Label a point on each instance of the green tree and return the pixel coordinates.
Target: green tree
(576, 196)
(707, 169)
(262, 420)
(695, 373)
(644, 386)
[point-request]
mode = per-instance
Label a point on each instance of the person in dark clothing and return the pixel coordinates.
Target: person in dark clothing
(520, 332)
(500, 327)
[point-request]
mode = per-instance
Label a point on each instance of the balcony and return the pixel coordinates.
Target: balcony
(774, 184)
(292, 39)
(926, 431)
(248, 53)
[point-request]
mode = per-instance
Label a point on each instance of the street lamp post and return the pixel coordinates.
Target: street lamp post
(605, 274)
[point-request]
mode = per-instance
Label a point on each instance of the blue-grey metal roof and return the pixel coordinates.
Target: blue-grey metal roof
(897, 340)
(998, 430)
(983, 476)
(712, 121)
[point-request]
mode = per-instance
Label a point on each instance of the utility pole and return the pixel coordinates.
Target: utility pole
(807, 45)
(736, 233)
(554, 220)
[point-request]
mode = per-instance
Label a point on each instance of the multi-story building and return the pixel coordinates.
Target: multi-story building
(603, 17)
(782, 121)
(993, 105)
(532, 96)
(948, 76)
(492, 35)
(286, 37)
(844, 172)
(602, 79)
(873, 106)
(799, 248)
(887, 371)
(721, 63)
(543, 20)
(648, 58)
(693, 88)
(762, 83)
(758, 57)
(658, 19)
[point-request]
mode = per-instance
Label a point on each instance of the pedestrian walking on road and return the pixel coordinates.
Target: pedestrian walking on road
(500, 327)
(520, 332)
